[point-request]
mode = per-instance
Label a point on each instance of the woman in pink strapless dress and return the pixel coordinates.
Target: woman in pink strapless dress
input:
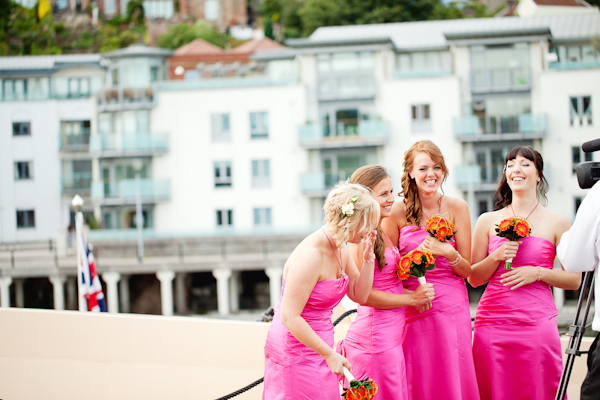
(516, 345)
(373, 344)
(437, 339)
(300, 361)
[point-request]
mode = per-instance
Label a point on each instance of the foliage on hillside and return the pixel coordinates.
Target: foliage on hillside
(183, 33)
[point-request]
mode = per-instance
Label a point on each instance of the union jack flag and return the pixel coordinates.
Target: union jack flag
(90, 281)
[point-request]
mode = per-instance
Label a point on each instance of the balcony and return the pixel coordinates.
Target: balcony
(125, 191)
(501, 128)
(226, 83)
(500, 80)
(75, 142)
(116, 99)
(71, 184)
(366, 133)
(318, 184)
(473, 177)
(129, 145)
(421, 73)
(573, 65)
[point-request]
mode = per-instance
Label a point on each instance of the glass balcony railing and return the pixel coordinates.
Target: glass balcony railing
(421, 73)
(125, 98)
(524, 126)
(500, 79)
(570, 65)
(71, 140)
(227, 82)
(365, 133)
(126, 190)
(76, 183)
(319, 182)
(129, 143)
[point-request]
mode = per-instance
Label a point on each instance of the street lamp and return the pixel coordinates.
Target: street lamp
(139, 218)
(77, 204)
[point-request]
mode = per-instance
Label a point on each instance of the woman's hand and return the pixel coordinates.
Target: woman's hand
(424, 294)
(368, 243)
(336, 363)
(507, 250)
(519, 276)
(437, 248)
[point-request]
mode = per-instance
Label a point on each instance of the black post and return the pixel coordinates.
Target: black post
(576, 332)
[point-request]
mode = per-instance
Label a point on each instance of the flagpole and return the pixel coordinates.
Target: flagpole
(77, 203)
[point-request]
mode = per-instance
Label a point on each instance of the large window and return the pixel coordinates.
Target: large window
(491, 163)
(23, 170)
(500, 67)
(75, 133)
(262, 217)
(344, 120)
(576, 53)
(21, 128)
(581, 110)
(500, 114)
(421, 61)
(224, 218)
(25, 219)
(77, 175)
(346, 74)
(259, 125)
(222, 173)
(220, 127)
(578, 155)
(261, 173)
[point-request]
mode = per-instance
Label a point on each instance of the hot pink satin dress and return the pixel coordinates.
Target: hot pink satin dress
(292, 370)
(437, 342)
(373, 344)
(516, 344)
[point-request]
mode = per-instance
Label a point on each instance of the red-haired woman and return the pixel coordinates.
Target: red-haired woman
(437, 341)
(516, 346)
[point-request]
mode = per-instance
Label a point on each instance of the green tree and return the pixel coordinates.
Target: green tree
(24, 35)
(183, 33)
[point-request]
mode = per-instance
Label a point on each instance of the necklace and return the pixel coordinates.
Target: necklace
(339, 261)
(439, 208)
(513, 210)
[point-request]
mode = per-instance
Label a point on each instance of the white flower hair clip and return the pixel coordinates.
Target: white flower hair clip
(348, 208)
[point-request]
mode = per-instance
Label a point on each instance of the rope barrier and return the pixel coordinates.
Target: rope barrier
(261, 380)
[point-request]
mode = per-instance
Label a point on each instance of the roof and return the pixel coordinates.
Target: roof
(48, 63)
(568, 3)
(254, 45)
(198, 47)
(432, 34)
(138, 50)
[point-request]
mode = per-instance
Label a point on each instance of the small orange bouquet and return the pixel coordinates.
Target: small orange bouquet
(440, 228)
(415, 263)
(359, 390)
(513, 229)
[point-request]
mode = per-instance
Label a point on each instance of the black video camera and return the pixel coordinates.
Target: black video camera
(588, 173)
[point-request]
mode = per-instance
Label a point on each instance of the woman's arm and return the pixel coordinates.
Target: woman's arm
(484, 265)
(300, 281)
(360, 282)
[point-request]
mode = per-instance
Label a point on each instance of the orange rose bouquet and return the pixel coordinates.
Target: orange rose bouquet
(440, 228)
(359, 390)
(513, 229)
(415, 263)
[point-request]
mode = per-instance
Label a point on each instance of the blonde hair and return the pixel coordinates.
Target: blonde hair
(370, 176)
(414, 209)
(366, 211)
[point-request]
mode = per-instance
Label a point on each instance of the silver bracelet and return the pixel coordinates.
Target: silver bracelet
(456, 261)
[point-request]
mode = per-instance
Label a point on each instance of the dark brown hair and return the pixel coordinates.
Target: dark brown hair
(409, 186)
(369, 176)
(504, 193)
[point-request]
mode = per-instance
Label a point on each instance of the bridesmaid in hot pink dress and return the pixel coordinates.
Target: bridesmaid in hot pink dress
(373, 344)
(516, 345)
(437, 340)
(300, 361)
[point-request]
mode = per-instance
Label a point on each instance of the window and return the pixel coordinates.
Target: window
(21, 128)
(115, 77)
(424, 61)
(224, 218)
(154, 74)
(259, 125)
(14, 89)
(262, 217)
(346, 74)
(76, 175)
(220, 127)
(74, 133)
(579, 155)
(581, 111)
(23, 170)
(500, 66)
(222, 173)
(421, 121)
(261, 174)
(25, 219)
(211, 10)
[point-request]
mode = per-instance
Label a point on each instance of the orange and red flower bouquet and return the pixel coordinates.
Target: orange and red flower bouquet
(440, 228)
(415, 263)
(359, 390)
(513, 229)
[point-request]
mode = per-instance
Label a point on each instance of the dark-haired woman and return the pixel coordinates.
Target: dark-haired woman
(516, 345)
(373, 344)
(437, 341)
